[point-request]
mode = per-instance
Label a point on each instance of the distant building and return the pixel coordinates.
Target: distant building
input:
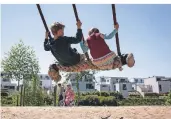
(120, 84)
(86, 83)
(7, 87)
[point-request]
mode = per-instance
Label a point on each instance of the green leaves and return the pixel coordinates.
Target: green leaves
(20, 62)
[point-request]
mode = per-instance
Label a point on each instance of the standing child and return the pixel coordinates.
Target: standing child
(69, 95)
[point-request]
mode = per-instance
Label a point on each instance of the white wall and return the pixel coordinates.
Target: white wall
(46, 81)
(165, 84)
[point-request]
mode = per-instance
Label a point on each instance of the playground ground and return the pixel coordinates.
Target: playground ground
(136, 112)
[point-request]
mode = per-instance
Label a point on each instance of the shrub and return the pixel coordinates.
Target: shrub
(168, 99)
(94, 100)
(141, 101)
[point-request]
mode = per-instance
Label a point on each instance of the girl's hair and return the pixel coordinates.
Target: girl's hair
(93, 30)
(56, 27)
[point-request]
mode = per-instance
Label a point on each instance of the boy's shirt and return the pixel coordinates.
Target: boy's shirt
(62, 51)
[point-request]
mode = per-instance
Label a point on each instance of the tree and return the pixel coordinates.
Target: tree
(168, 99)
(20, 63)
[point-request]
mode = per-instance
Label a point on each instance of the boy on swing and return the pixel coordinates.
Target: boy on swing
(102, 56)
(61, 49)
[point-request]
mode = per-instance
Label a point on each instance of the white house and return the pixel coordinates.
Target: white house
(7, 86)
(159, 84)
(86, 84)
(135, 82)
(120, 84)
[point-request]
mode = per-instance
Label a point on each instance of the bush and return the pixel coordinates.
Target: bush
(94, 100)
(117, 95)
(168, 99)
(9, 101)
(141, 101)
(151, 95)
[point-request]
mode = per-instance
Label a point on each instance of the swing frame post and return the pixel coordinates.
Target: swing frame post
(116, 36)
(77, 19)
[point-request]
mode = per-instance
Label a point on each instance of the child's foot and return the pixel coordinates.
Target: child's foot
(54, 73)
(130, 60)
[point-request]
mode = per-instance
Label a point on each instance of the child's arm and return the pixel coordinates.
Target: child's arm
(77, 39)
(109, 36)
(84, 46)
(46, 45)
(112, 34)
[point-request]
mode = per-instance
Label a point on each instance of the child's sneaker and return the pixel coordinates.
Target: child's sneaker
(130, 60)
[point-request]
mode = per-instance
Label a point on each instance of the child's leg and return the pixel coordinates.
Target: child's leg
(128, 59)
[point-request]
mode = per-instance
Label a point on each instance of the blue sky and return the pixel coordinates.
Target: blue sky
(145, 30)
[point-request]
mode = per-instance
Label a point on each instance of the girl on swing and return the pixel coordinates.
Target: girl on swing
(102, 56)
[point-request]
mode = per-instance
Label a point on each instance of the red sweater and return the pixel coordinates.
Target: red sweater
(97, 45)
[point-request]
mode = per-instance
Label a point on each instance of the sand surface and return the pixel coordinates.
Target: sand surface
(139, 112)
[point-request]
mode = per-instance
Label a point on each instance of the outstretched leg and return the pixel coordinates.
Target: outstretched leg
(128, 59)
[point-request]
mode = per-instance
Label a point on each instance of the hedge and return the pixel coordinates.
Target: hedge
(141, 101)
(117, 95)
(95, 100)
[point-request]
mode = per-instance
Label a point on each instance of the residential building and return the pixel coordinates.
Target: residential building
(135, 82)
(159, 84)
(86, 83)
(7, 87)
(120, 84)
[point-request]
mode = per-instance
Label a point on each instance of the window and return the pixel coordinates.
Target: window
(103, 80)
(141, 81)
(12, 87)
(47, 77)
(104, 86)
(90, 80)
(41, 83)
(107, 80)
(124, 87)
(160, 87)
(6, 80)
(114, 87)
(158, 79)
(122, 80)
(41, 76)
(5, 86)
(116, 80)
(89, 86)
(136, 80)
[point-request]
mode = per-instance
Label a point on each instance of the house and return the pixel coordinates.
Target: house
(86, 83)
(120, 84)
(159, 84)
(7, 87)
(135, 82)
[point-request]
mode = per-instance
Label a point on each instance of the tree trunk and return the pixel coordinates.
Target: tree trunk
(78, 91)
(24, 95)
(21, 95)
(55, 95)
(18, 87)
